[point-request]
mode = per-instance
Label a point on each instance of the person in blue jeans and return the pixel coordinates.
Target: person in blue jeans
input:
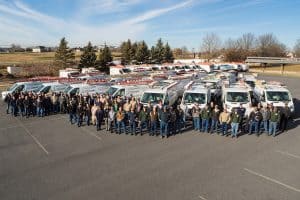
(196, 117)
(224, 121)
(132, 121)
(205, 116)
(255, 118)
(265, 112)
(274, 120)
(235, 121)
(164, 119)
(215, 114)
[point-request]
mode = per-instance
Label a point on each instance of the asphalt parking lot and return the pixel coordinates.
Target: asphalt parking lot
(47, 158)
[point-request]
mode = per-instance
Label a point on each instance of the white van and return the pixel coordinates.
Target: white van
(274, 93)
(86, 89)
(195, 93)
(52, 87)
(126, 90)
(235, 94)
(22, 87)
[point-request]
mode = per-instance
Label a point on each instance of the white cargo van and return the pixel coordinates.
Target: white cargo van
(22, 87)
(274, 93)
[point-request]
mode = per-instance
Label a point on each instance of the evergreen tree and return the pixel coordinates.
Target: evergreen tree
(168, 54)
(64, 56)
(153, 55)
(133, 51)
(142, 52)
(159, 51)
(88, 58)
(105, 58)
(126, 52)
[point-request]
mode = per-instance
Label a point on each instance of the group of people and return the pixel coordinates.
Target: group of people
(267, 119)
(130, 116)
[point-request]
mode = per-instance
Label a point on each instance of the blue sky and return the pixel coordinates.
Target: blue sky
(180, 22)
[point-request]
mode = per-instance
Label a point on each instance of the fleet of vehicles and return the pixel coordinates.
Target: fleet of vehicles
(186, 84)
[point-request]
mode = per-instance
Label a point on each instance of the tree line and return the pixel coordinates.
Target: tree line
(139, 53)
(266, 45)
(65, 56)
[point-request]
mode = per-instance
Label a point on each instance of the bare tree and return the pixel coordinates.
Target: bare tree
(297, 48)
(211, 44)
(268, 45)
(247, 41)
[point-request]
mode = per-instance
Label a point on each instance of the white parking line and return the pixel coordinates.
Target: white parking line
(272, 180)
(30, 123)
(34, 138)
(288, 154)
(201, 197)
(91, 133)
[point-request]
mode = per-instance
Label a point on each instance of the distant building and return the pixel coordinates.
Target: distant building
(290, 55)
(39, 49)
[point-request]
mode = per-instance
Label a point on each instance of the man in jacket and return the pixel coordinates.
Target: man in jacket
(235, 121)
(274, 120)
(224, 121)
(143, 119)
(153, 121)
(205, 117)
(215, 119)
(120, 116)
(99, 117)
(265, 112)
(255, 117)
(132, 121)
(285, 116)
(164, 119)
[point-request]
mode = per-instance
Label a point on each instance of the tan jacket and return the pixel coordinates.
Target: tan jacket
(224, 117)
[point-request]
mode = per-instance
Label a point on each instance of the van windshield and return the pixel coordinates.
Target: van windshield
(278, 96)
(237, 97)
(190, 98)
(13, 87)
(111, 90)
(152, 97)
(68, 89)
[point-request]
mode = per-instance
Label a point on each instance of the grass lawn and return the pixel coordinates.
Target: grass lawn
(288, 68)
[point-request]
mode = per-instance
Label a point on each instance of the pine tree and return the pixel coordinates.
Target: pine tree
(64, 56)
(105, 58)
(153, 55)
(133, 51)
(159, 51)
(88, 58)
(126, 52)
(142, 52)
(168, 54)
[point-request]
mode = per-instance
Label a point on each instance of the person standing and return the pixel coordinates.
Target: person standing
(88, 114)
(224, 121)
(132, 121)
(285, 116)
(79, 113)
(99, 117)
(235, 121)
(164, 120)
(215, 114)
(180, 121)
(196, 117)
(153, 121)
(205, 116)
(7, 100)
(94, 110)
(265, 112)
(274, 120)
(120, 116)
(111, 120)
(255, 118)
(143, 119)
